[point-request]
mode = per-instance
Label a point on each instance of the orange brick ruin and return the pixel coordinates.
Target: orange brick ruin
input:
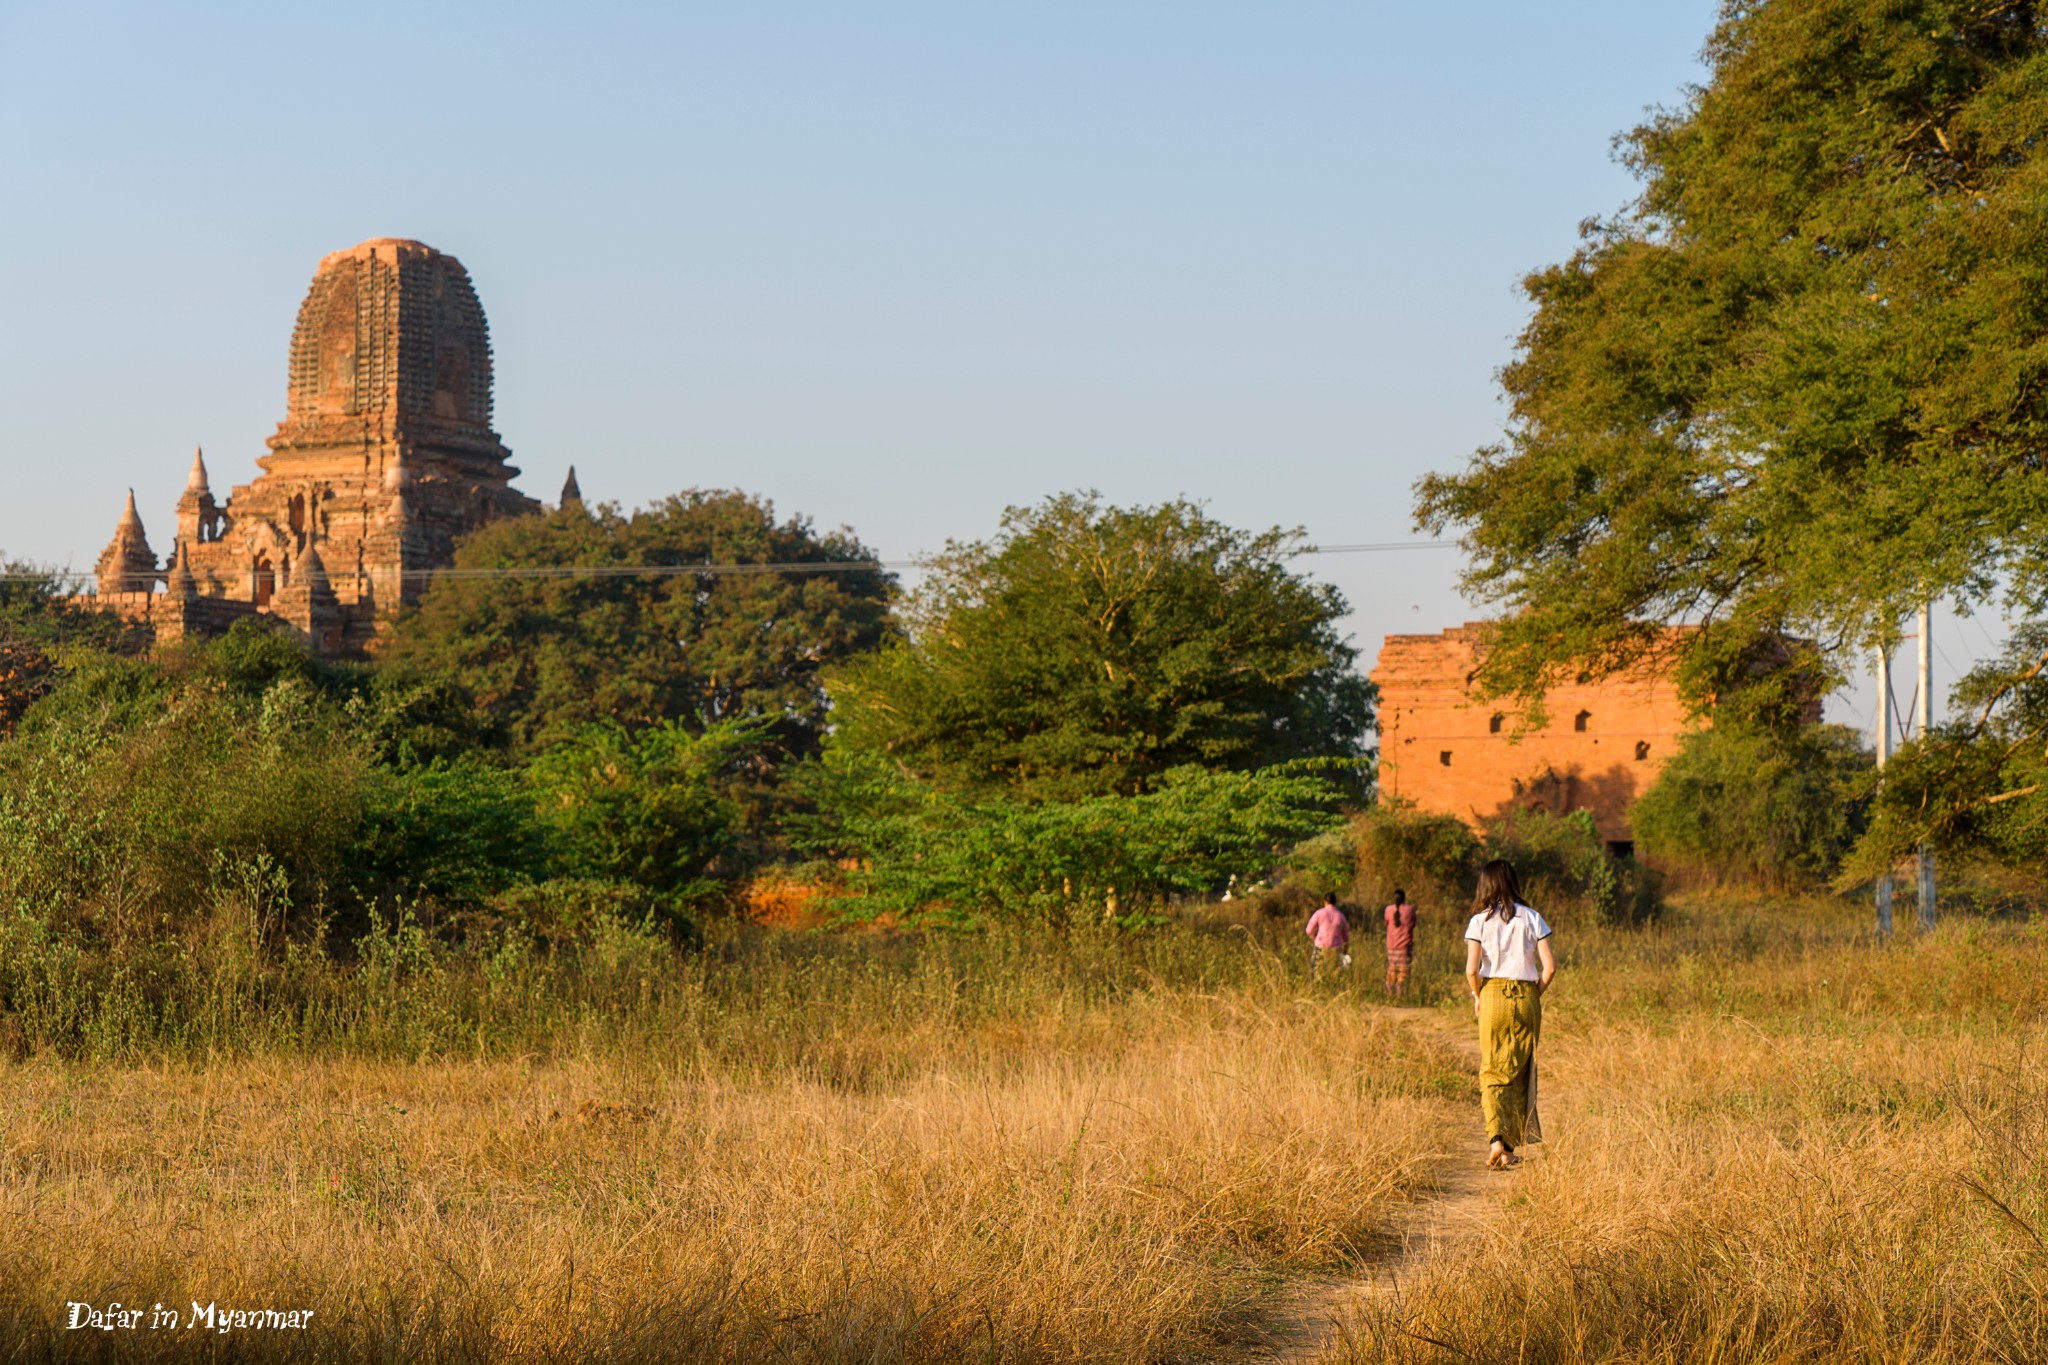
(385, 457)
(1600, 748)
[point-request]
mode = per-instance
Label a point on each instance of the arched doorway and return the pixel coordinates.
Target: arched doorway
(264, 580)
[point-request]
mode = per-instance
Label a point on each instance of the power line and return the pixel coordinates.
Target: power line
(689, 570)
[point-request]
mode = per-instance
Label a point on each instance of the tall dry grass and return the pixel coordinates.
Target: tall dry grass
(906, 1171)
(1772, 1140)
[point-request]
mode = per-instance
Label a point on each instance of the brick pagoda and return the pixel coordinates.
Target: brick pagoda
(384, 459)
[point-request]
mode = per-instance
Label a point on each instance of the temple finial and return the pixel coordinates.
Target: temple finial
(572, 493)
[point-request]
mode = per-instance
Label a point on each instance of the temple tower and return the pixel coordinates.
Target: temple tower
(385, 456)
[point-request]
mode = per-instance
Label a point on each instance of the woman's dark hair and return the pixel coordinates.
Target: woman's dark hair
(1500, 890)
(1400, 896)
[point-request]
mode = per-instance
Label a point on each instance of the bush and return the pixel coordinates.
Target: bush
(924, 853)
(1564, 866)
(124, 825)
(1743, 805)
(564, 911)
(1435, 857)
(1566, 870)
(649, 808)
(458, 832)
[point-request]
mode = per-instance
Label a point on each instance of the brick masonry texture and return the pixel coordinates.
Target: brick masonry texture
(1600, 747)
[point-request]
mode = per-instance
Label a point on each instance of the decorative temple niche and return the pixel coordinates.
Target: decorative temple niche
(263, 580)
(1642, 750)
(1444, 757)
(1582, 721)
(297, 515)
(1494, 724)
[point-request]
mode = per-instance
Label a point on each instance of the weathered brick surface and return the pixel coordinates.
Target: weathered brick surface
(1600, 747)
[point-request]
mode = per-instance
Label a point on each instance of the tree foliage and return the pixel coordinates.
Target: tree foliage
(1801, 382)
(1752, 804)
(39, 623)
(1091, 649)
(133, 782)
(1977, 785)
(923, 853)
(545, 656)
(644, 807)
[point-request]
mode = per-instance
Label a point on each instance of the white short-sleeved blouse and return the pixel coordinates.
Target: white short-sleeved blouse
(1507, 947)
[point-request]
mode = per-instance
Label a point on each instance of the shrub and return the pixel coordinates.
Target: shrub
(124, 823)
(1566, 869)
(1432, 856)
(649, 808)
(1738, 804)
(1564, 866)
(924, 853)
(457, 832)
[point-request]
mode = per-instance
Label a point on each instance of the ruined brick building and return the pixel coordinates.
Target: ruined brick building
(1600, 748)
(385, 457)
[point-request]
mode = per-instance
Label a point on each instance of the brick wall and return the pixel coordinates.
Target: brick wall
(1600, 747)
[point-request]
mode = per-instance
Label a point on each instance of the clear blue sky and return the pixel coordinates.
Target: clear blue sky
(894, 265)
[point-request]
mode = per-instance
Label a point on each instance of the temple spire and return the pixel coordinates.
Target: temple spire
(127, 564)
(572, 493)
(182, 582)
(198, 514)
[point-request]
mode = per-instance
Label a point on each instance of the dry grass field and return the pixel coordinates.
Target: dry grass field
(886, 1158)
(1771, 1141)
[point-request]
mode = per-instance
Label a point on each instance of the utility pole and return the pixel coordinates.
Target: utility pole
(1884, 751)
(1926, 725)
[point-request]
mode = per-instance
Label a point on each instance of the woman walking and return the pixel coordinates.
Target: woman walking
(1400, 918)
(1508, 964)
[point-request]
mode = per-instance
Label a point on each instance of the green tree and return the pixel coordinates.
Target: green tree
(646, 807)
(1744, 803)
(1091, 649)
(592, 636)
(39, 624)
(1801, 382)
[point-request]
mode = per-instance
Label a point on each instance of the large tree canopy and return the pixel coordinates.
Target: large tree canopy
(732, 640)
(1802, 382)
(1090, 649)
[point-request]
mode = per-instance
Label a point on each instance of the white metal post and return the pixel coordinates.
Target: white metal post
(1926, 726)
(1884, 752)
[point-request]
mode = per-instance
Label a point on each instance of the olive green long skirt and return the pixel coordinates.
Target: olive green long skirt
(1510, 1021)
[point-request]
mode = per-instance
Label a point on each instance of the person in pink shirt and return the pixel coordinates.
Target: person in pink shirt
(1331, 934)
(1400, 917)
